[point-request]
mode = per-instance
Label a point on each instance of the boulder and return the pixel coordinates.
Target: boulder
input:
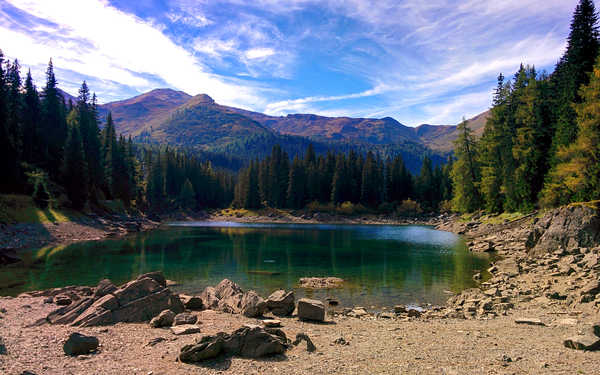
(164, 319)
(62, 300)
(310, 309)
(156, 276)
(184, 318)
(231, 304)
(136, 301)
(185, 329)
(247, 342)
(227, 288)
(281, 303)
(252, 305)
(104, 287)
(588, 339)
(78, 344)
(271, 323)
(565, 228)
(192, 302)
(209, 298)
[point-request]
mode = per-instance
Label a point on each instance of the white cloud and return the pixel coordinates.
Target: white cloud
(288, 106)
(259, 53)
(105, 42)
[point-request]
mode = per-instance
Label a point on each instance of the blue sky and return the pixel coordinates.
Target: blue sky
(431, 61)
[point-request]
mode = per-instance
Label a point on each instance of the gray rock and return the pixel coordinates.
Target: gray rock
(192, 302)
(252, 305)
(310, 309)
(227, 288)
(530, 321)
(185, 318)
(156, 276)
(164, 319)
(565, 228)
(281, 303)
(209, 297)
(136, 301)
(248, 342)
(591, 288)
(185, 329)
(78, 344)
(104, 287)
(310, 347)
(587, 339)
(62, 300)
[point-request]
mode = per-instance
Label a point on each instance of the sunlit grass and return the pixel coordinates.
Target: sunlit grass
(21, 209)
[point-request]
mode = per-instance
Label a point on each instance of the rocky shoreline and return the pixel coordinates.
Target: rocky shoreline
(541, 301)
(14, 237)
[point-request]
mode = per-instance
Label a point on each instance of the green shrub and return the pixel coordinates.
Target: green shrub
(409, 207)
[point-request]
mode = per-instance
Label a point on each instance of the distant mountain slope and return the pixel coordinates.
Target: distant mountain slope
(131, 115)
(441, 137)
(200, 122)
(172, 117)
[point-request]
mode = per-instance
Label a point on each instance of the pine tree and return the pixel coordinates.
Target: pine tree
(187, 196)
(572, 70)
(490, 150)
(74, 169)
(54, 123)
(297, 183)
(465, 173)
(576, 176)
(32, 145)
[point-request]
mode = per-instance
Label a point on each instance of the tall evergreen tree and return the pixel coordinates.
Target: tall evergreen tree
(576, 176)
(74, 169)
(54, 123)
(465, 172)
(572, 70)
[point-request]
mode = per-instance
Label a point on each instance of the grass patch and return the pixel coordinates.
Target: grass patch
(238, 212)
(21, 209)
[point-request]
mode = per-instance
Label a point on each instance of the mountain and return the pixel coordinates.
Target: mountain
(166, 116)
(441, 137)
(131, 114)
(66, 96)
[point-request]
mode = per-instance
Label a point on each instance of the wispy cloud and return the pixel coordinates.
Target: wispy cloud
(418, 61)
(103, 41)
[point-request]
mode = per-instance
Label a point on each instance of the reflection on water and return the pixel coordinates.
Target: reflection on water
(382, 265)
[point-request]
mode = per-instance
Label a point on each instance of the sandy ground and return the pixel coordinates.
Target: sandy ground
(377, 345)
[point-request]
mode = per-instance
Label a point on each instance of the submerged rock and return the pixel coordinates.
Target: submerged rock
(78, 344)
(248, 342)
(321, 282)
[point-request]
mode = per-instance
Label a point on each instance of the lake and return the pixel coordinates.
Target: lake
(382, 265)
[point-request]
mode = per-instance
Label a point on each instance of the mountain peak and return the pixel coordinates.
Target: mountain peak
(202, 99)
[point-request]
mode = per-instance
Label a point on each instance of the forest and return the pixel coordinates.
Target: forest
(539, 148)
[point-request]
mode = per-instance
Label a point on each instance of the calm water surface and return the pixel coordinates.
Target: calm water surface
(382, 265)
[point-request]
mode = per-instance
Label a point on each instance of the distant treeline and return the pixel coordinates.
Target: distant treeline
(541, 145)
(336, 178)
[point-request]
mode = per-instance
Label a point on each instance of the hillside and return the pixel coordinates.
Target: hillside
(131, 114)
(172, 117)
(441, 137)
